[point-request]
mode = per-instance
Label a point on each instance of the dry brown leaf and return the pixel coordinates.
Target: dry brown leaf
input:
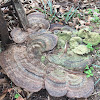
(89, 18)
(75, 1)
(3, 81)
(60, 23)
(87, 23)
(71, 24)
(85, 1)
(8, 90)
(2, 97)
(75, 21)
(82, 26)
(62, 10)
(77, 27)
(56, 7)
(82, 22)
(18, 89)
(2, 71)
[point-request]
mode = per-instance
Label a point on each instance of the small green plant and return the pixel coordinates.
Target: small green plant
(97, 48)
(69, 14)
(90, 11)
(89, 45)
(98, 53)
(52, 15)
(96, 10)
(95, 19)
(42, 59)
(17, 95)
(78, 15)
(88, 71)
(90, 28)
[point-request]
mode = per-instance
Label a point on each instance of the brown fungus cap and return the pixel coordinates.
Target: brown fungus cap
(36, 15)
(46, 41)
(37, 21)
(18, 36)
(55, 83)
(23, 71)
(60, 82)
(79, 86)
(32, 75)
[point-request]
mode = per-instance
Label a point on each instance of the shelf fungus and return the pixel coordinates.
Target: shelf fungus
(74, 61)
(18, 36)
(26, 70)
(89, 37)
(60, 82)
(37, 21)
(33, 75)
(45, 41)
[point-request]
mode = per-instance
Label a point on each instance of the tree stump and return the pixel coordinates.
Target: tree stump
(3, 30)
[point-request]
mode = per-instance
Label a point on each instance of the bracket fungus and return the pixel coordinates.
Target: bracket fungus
(74, 42)
(23, 71)
(18, 36)
(89, 37)
(26, 70)
(60, 82)
(46, 41)
(32, 75)
(37, 21)
(75, 62)
(81, 49)
(63, 37)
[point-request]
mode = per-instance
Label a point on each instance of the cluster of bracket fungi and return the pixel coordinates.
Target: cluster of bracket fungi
(25, 69)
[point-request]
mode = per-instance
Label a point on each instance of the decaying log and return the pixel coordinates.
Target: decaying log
(21, 13)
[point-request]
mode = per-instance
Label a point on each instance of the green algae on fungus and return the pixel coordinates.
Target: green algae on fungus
(74, 42)
(81, 49)
(63, 37)
(69, 61)
(89, 37)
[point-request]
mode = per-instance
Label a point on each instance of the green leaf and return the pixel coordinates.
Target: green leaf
(66, 19)
(87, 67)
(87, 76)
(50, 6)
(89, 45)
(91, 68)
(17, 95)
(69, 17)
(91, 74)
(87, 72)
(42, 58)
(44, 7)
(91, 49)
(96, 10)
